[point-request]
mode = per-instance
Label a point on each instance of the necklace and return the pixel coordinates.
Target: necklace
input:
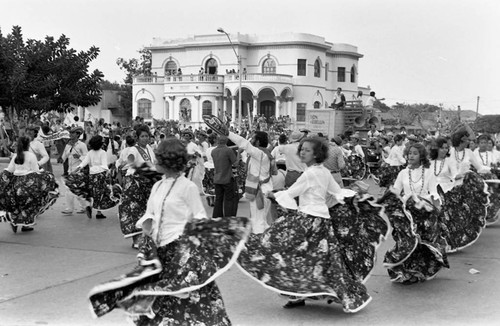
(481, 156)
(163, 207)
(440, 167)
(412, 182)
(457, 155)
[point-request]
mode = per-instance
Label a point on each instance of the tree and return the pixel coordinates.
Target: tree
(488, 123)
(37, 77)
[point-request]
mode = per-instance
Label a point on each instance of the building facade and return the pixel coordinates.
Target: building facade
(281, 75)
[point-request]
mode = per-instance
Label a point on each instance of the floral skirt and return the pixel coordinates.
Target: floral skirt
(136, 191)
(360, 227)
(208, 182)
(386, 175)
(493, 214)
(240, 174)
(96, 188)
(300, 255)
(419, 250)
(464, 211)
(184, 293)
(355, 168)
(26, 197)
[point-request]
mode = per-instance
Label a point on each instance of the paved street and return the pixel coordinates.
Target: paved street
(46, 274)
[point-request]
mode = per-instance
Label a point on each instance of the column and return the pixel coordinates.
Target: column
(198, 118)
(255, 98)
(277, 106)
(233, 109)
(174, 114)
(216, 107)
(224, 106)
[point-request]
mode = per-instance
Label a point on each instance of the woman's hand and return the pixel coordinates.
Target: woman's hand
(147, 227)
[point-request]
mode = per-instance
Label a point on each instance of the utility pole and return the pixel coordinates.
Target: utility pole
(477, 107)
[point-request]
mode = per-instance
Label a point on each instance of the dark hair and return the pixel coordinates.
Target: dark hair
(398, 138)
(485, 137)
(422, 152)
(140, 129)
(261, 136)
(320, 148)
(130, 141)
(436, 145)
(282, 139)
(172, 155)
(96, 142)
(23, 145)
(372, 93)
(456, 138)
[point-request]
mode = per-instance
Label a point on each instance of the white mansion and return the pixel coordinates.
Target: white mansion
(282, 75)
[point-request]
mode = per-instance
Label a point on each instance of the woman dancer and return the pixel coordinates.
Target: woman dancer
(25, 191)
(137, 185)
(181, 254)
(92, 184)
(463, 204)
(300, 254)
(419, 251)
(394, 163)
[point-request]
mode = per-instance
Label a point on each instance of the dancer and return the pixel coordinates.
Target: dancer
(394, 163)
(181, 254)
(419, 251)
(90, 181)
(300, 255)
(137, 185)
(463, 204)
(25, 191)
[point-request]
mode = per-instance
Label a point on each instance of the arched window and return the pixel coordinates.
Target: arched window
(317, 68)
(170, 68)
(144, 108)
(317, 104)
(206, 108)
(185, 110)
(269, 66)
(211, 66)
(353, 74)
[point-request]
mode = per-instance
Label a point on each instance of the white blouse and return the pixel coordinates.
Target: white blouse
(30, 164)
(425, 188)
(97, 160)
(313, 188)
(169, 214)
(139, 159)
(396, 156)
(464, 159)
(445, 172)
(486, 159)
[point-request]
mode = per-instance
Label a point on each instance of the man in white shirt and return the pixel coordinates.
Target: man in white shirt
(294, 165)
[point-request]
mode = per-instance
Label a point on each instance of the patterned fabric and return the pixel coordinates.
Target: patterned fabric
(300, 255)
(355, 167)
(206, 249)
(464, 211)
(208, 182)
(240, 173)
(493, 214)
(360, 228)
(386, 174)
(419, 251)
(26, 197)
(136, 191)
(98, 187)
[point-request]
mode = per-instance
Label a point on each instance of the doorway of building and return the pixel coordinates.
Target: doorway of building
(211, 67)
(267, 108)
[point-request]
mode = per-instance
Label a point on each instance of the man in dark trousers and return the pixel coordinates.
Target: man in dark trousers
(226, 197)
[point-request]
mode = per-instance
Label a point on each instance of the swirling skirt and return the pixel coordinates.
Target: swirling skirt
(355, 167)
(137, 189)
(95, 187)
(464, 211)
(240, 174)
(360, 227)
(26, 197)
(387, 175)
(300, 255)
(208, 182)
(184, 293)
(493, 214)
(419, 250)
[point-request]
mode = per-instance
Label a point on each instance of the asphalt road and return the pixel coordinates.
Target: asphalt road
(45, 276)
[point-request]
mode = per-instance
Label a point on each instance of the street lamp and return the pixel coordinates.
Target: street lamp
(240, 97)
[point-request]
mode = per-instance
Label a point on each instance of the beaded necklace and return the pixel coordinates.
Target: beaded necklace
(481, 156)
(440, 167)
(457, 155)
(421, 179)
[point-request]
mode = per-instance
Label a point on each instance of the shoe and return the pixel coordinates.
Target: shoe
(81, 211)
(100, 216)
(88, 210)
(65, 212)
(139, 273)
(294, 304)
(26, 229)
(14, 228)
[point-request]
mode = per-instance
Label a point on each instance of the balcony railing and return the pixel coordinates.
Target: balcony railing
(213, 78)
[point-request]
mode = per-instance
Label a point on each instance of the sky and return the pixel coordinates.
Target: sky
(415, 51)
